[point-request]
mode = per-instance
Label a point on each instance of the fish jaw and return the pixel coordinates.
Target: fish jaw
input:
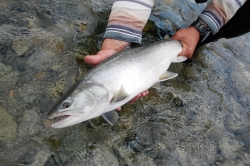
(83, 105)
(65, 120)
(69, 117)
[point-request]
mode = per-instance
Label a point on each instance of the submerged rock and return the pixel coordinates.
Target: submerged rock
(29, 125)
(28, 157)
(21, 45)
(8, 126)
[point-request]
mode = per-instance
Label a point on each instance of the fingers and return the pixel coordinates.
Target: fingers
(99, 57)
(109, 47)
(143, 94)
(92, 59)
(135, 98)
(186, 51)
(119, 109)
(189, 38)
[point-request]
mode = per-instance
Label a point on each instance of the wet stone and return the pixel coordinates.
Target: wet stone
(45, 104)
(178, 101)
(21, 45)
(2, 145)
(49, 164)
(150, 26)
(29, 125)
(27, 158)
(53, 161)
(7, 126)
(169, 96)
(5, 39)
(29, 106)
(18, 65)
(21, 68)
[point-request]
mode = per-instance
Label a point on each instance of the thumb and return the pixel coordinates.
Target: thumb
(184, 51)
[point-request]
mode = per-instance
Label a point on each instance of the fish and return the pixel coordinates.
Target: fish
(116, 81)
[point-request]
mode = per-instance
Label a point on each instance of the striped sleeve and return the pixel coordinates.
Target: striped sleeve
(127, 19)
(219, 12)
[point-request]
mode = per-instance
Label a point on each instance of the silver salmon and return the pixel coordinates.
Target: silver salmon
(116, 81)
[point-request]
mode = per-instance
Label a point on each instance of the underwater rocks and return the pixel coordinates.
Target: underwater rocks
(8, 126)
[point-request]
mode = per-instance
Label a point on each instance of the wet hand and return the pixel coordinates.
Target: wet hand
(189, 38)
(99, 57)
(109, 47)
(143, 94)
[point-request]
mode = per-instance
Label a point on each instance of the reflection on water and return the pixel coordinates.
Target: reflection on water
(199, 118)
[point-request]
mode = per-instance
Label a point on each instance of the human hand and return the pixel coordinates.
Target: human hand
(189, 38)
(110, 47)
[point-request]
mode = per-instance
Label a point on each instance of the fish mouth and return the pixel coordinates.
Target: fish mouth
(62, 120)
(58, 119)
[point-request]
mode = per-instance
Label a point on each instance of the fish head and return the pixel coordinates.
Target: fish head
(79, 104)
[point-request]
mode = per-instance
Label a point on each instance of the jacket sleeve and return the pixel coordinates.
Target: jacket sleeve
(238, 24)
(218, 12)
(127, 19)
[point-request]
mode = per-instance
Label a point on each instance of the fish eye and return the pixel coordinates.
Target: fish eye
(66, 104)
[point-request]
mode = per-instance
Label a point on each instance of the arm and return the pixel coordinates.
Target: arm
(216, 14)
(127, 20)
(125, 25)
(236, 26)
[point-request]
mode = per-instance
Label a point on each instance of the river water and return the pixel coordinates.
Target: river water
(201, 117)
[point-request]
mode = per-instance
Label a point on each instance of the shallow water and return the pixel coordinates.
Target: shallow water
(200, 117)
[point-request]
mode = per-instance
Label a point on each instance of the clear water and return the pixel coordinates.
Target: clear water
(199, 118)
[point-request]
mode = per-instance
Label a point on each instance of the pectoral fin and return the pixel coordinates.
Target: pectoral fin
(167, 75)
(111, 117)
(121, 95)
(180, 59)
